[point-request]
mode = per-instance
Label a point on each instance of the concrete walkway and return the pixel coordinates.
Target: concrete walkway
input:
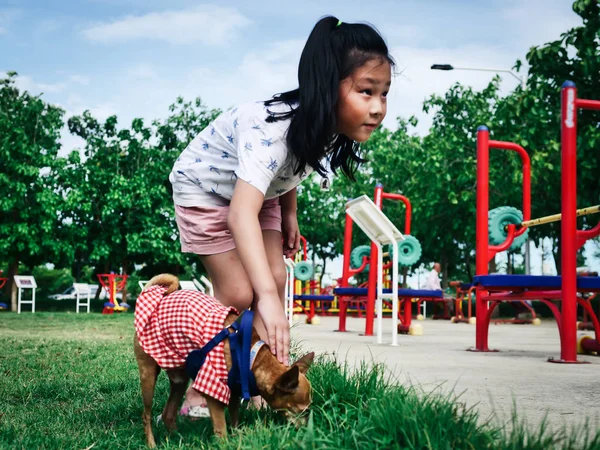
(567, 394)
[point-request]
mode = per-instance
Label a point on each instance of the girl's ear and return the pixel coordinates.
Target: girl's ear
(305, 362)
(288, 382)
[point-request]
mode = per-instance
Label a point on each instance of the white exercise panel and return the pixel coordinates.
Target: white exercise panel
(25, 282)
(381, 231)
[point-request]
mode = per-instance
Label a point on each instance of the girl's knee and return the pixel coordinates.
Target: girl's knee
(238, 295)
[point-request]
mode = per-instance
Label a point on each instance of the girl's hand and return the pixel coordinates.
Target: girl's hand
(278, 329)
(291, 234)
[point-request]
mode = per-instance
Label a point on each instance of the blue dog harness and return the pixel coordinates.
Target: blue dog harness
(240, 380)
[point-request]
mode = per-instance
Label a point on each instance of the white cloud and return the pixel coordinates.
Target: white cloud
(207, 24)
(7, 17)
(416, 81)
(80, 79)
(142, 72)
(49, 26)
(552, 18)
(27, 83)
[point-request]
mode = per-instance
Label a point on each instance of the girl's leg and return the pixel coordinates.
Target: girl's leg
(232, 288)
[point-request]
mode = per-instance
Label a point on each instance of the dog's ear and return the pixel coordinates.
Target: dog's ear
(288, 382)
(305, 362)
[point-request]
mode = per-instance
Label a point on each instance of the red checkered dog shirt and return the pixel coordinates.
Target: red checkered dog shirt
(168, 328)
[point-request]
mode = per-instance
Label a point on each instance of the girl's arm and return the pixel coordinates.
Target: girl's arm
(291, 232)
(243, 223)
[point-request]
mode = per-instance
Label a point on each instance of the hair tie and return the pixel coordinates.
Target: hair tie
(339, 23)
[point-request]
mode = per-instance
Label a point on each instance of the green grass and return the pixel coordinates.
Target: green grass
(70, 381)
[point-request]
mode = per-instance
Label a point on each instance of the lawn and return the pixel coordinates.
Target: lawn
(69, 381)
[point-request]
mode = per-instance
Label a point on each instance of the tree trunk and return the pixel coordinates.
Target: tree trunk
(557, 256)
(99, 290)
(492, 266)
(444, 272)
(509, 263)
(323, 274)
(468, 262)
(124, 268)
(13, 269)
(542, 255)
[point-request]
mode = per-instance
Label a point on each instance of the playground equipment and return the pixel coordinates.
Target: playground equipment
(463, 291)
(289, 290)
(356, 295)
(113, 283)
(24, 282)
(381, 231)
(494, 289)
(3, 306)
(586, 323)
(304, 289)
(83, 293)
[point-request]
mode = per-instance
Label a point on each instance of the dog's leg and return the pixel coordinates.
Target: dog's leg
(217, 416)
(179, 381)
(234, 410)
(149, 371)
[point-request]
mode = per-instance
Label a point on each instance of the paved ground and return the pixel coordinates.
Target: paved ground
(494, 382)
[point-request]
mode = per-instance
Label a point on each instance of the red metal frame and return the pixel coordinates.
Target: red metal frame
(347, 271)
(571, 238)
(304, 248)
(108, 280)
(461, 294)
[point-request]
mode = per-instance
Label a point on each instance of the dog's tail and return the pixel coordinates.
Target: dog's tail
(171, 282)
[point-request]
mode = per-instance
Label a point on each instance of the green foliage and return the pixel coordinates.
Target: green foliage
(532, 117)
(52, 281)
(119, 202)
(29, 134)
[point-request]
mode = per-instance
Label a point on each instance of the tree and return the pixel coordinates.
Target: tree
(119, 196)
(532, 117)
(29, 144)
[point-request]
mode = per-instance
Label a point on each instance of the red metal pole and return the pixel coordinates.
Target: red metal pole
(481, 233)
(372, 290)
(526, 162)
(408, 214)
(568, 352)
(345, 272)
(304, 248)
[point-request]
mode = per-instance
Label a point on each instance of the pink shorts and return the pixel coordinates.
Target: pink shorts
(203, 229)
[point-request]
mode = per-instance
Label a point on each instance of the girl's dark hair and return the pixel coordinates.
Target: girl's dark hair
(332, 52)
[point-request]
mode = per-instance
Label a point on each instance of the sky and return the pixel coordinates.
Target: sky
(133, 58)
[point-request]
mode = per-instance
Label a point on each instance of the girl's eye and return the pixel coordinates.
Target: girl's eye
(367, 91)
(385, 94)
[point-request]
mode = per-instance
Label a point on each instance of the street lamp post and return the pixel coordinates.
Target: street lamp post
(522, 82)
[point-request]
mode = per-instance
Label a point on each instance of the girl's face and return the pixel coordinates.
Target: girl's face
(362, 100)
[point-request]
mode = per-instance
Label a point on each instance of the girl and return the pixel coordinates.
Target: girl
(234, 186)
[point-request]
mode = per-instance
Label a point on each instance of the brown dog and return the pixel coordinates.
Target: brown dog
(284, 389)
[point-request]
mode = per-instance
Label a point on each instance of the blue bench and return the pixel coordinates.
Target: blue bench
(533, 282)
(356, 292)
(314, 297)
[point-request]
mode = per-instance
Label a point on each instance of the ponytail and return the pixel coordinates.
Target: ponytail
(331, 53)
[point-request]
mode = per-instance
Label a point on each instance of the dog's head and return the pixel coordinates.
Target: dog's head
(291, 394)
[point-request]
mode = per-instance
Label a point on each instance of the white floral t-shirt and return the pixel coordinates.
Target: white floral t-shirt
(237, 144)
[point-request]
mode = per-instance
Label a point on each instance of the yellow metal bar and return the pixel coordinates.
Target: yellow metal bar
(557, 217)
